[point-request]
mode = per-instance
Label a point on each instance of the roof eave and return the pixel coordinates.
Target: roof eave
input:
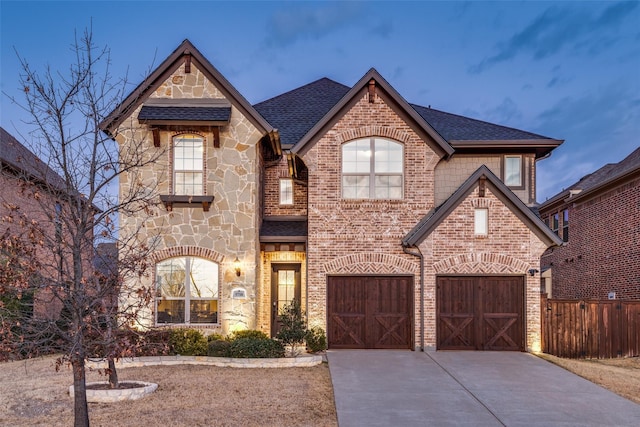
(542, 147)
(604, 186)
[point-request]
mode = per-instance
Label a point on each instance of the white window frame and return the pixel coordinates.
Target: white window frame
(481, 221)
(286, 191)
(188, 294)
(175, 172)
(519, 162)
(372, 173)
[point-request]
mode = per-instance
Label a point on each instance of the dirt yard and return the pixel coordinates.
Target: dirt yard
(32, 393)
(621, 376)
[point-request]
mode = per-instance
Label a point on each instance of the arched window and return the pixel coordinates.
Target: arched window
(188, 165)
(372, 168)
(186, 291)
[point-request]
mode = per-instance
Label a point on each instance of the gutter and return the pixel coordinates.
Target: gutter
(419, 255)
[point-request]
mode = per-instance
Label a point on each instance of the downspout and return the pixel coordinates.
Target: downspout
(421, 257)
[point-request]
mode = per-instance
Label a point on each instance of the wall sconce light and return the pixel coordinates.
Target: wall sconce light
(532, 272)
(236, 266)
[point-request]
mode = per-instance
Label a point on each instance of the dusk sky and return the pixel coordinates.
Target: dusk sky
(564, 69)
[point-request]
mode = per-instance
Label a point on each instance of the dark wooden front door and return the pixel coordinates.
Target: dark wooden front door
(285, 286)
(369, 311)
(480, 313)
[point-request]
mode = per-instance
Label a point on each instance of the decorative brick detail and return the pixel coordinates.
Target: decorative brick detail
(481, 263)
(481, 202)
(178, 251)
(366, 131)
(369, 263)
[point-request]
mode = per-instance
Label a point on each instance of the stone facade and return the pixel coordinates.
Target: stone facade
(232, 175)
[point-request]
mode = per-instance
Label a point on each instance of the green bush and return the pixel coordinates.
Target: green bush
(292, 327)
(316, 339)
(218, 348)
(188, 342)
(255, 348)
(248, 334)
(214, 337)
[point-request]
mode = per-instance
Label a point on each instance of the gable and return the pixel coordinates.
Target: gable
(372, 86)
(481, 178)
(197, 78)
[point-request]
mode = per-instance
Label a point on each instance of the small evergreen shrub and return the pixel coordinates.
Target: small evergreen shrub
(218, 348)
(214, 337)
(316, 339)
(255, 348)
(293, 328)
(249, 334)
(188, 342)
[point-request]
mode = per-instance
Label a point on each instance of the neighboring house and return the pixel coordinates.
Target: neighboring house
(27, 186)
(599, 219)
(395, 225)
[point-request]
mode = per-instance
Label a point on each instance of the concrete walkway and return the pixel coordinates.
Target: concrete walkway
(450, 388)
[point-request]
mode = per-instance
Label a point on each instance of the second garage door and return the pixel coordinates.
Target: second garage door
(480, 313)
(369, 311)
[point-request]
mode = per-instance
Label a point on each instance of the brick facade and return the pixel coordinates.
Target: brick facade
(602, 254)
(272, 206)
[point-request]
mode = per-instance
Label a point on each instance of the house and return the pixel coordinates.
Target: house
(395, 225)
(598, 218)
(28, 187)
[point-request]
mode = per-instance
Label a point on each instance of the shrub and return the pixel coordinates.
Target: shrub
(188, 342)
(249, 334)
(293, 328)
(218, 348)
(316, 339)
(255, 348)
(214, 337)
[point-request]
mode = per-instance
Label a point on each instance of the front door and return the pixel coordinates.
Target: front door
(285, 286)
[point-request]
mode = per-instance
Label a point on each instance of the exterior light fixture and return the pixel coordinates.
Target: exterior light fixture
(532, 272)
(236, 266)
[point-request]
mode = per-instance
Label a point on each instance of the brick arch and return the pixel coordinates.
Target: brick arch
(369, 263)
(373, 130)
(178, 251)
(483, 262)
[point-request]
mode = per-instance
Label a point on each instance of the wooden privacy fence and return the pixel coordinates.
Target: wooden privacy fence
(597, 329)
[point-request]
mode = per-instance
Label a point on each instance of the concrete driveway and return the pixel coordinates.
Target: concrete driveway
(451, 388)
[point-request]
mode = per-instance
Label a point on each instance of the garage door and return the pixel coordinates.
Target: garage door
(369, 311)
(480, 313)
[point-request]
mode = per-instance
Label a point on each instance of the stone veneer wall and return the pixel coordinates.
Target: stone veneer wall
(365, 234)
(509, 248)
(232, 176)
(452, 173)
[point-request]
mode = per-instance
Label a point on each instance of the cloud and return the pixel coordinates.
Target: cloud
(557, 28)
(506, 112)
(301, 22)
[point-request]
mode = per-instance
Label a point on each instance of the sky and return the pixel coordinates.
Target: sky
(564, 69)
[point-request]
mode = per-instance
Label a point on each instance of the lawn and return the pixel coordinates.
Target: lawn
(32, 393)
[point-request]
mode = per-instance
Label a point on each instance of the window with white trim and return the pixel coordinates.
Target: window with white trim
(554, 223)
(186, 291)
(481, 221)
(513, 171)
(188, 165)
(565, 225)
(286, 191)
(372, 168)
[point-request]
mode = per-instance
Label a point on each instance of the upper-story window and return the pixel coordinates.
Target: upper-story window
(186, 291)
(188, 165)
(372, 168)
(513, 171)
(565, 225)
(286, 191)
(554, 223)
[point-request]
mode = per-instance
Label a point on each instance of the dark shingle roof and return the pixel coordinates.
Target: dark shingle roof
(601, 177)
(215, 114)
(18, 157)
(453, 127)
(281, 231)
(295, 112)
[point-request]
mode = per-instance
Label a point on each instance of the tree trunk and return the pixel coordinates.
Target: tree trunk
(113, 374)
(80, 407)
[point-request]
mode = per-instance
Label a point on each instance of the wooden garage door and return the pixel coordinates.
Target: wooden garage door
(480, 313)
(369, 311)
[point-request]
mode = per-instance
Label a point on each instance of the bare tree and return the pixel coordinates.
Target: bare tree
(47, 255)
